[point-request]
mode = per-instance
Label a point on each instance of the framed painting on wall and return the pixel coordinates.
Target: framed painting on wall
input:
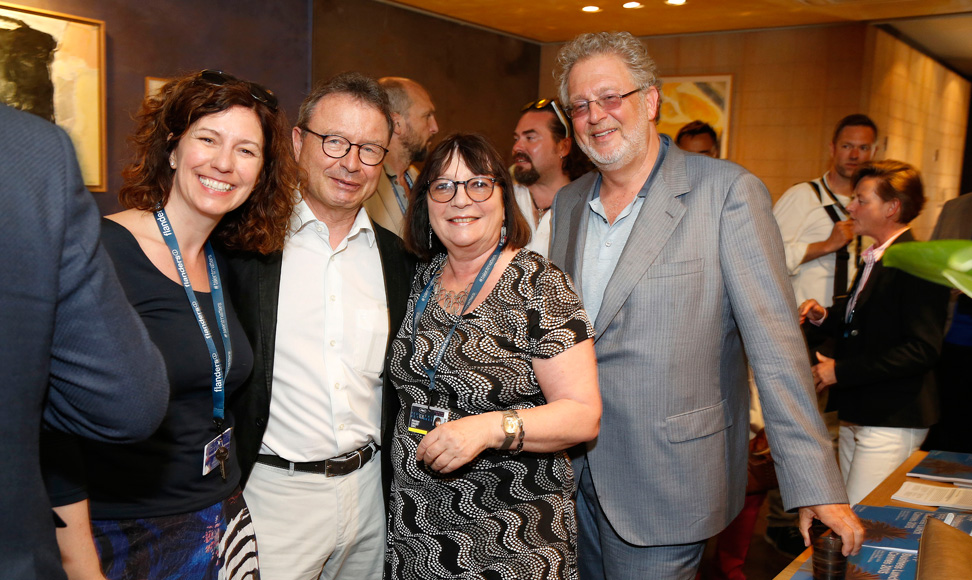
(53, 65)
(154, 84)
(697, 98)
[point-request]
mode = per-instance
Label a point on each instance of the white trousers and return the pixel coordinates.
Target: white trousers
(312, 527)
(870, 454)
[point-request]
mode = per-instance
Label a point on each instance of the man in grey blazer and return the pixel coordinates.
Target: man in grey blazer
(75, 356)
(680, 264)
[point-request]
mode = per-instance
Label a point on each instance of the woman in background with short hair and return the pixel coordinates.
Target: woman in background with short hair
(888, 334)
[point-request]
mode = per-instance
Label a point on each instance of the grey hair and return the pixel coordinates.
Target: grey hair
(398, 95)
(621, 44)
(364, 89)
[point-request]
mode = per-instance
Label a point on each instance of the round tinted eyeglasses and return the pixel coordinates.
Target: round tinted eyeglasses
(478, 188)
(260, 93)
(608, 102)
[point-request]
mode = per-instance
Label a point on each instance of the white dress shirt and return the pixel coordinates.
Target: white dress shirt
(540, 239)
(871, 256)
(803, 221)
(332, 328)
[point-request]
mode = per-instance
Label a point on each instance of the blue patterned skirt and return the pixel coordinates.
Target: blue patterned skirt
(214, 543)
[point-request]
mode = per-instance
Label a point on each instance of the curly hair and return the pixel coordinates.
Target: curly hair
(896, 180)
(621, 44)
(482, 159)
(260, 224)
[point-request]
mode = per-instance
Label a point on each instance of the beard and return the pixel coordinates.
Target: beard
(417, 150)
(526, 176)
(633, 141)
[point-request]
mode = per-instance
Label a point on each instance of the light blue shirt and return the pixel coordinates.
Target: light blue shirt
(605, 241)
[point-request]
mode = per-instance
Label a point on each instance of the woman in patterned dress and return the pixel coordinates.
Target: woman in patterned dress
(496, 377)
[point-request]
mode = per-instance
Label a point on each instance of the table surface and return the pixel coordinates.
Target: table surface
(880, 496)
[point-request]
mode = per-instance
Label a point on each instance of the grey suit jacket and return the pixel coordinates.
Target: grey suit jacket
(701, 275)
(383, 208)
(72, 350)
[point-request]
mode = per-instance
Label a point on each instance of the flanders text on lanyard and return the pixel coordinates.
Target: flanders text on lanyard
(220, 372)
(423, 301)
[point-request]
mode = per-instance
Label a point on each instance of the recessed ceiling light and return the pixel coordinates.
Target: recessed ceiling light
(675, 2)
(632, 5)
(591, 9)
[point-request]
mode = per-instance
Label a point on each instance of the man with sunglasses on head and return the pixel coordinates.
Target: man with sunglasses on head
(413, 117)
(320, 316)
(680, 264)
(544, 160)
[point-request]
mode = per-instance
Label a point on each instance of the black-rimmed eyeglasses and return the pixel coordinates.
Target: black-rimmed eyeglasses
(551, 104)
(608, 102)
(478, 188)
(336, 147)
(260, 93)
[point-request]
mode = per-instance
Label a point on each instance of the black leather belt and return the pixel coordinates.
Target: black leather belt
(340, 465)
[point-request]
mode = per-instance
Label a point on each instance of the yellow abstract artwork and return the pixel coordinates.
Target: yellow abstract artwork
(52, 65)
(700, 98)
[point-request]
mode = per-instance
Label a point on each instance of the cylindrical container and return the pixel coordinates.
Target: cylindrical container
(828, 561)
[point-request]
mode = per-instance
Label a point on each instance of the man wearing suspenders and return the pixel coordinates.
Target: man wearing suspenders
(821, 256)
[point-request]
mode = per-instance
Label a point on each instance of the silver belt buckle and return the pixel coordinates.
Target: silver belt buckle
(348, 457)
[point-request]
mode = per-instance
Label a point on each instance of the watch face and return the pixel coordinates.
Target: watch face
(509, 425)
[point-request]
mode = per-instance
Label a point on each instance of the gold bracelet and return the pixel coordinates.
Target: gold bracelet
(519, 444)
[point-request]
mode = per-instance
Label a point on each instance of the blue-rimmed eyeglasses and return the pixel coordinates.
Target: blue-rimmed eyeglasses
(608, 102)
(478, 188)
(260, 93)
(336, 147)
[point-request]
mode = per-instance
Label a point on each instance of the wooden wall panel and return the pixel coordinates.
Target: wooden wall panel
(478, 80)
(922, 109)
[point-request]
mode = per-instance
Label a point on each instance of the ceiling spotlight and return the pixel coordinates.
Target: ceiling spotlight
(632, 5)
(675, 2)
(591, 9)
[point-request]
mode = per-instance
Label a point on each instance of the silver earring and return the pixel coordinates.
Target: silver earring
(503, 234)
(430, 238)
(172, 163)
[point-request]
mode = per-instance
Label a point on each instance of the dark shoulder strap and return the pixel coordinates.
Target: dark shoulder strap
(833, 197)
(834, 216)
(816, 189)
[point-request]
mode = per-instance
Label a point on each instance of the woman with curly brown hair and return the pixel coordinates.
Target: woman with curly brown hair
(213, 161)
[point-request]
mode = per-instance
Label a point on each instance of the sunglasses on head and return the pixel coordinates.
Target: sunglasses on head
(551, 104)
(262, 95)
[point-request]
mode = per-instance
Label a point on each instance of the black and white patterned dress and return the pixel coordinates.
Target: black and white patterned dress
(501, 515)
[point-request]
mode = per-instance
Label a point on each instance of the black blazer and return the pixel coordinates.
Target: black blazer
(886, 353)
(254, 285)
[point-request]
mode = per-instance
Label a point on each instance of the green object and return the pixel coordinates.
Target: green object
(945, 262)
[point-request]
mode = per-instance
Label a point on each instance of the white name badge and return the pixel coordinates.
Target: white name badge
(423, 418)
(210, 459)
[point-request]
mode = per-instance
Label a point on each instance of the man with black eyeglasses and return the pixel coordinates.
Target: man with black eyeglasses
(320, 316)
(821, 258)
(680, 264)
(414, 125)
(544, 160)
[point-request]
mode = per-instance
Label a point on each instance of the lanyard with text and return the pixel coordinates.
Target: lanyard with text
(423, 301)
(220, 372)
(400, 196)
